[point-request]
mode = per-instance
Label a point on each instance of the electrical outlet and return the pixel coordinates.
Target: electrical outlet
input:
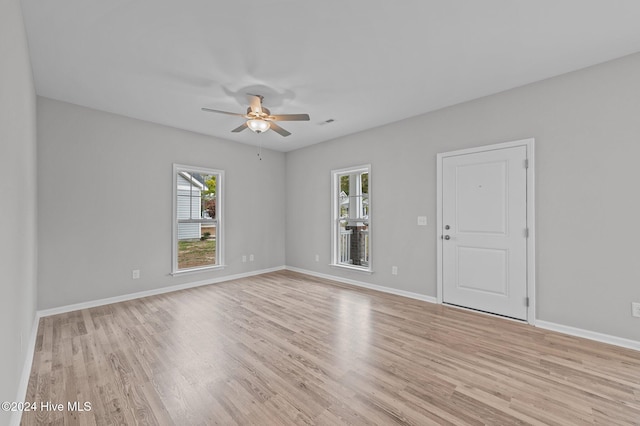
(422, 221)
(244, 258)
(251, 258)
(635, 309)
(135, 274)
(394, 270)
(317, 258)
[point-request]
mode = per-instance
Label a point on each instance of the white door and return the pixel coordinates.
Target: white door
(484, 231)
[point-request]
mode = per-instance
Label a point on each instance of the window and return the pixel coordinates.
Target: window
(351, 222)
(197, 218)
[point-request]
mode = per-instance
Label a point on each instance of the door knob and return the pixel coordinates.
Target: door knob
(446, 237)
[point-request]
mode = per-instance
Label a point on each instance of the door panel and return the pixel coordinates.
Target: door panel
(484, 249)
(476, 262)
(482, 199)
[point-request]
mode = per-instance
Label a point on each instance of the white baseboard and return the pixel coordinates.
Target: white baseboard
(16, 417)
(383, 289)
(591, 335)
(131, 296)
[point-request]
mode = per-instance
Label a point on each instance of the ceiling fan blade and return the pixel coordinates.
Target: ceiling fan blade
(279, 129)
(240, 128)
(289, 117)
(222, 112)
(255, 103)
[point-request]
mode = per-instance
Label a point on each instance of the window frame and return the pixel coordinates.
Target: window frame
(219, 220)
(335, 217)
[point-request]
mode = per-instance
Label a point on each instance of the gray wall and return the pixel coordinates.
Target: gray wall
(18, 195)
(587, 130)
(104, 194)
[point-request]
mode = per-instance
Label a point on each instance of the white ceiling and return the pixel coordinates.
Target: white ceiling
(363, 63)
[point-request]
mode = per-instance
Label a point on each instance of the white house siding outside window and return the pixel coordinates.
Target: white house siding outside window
(351, 218)
(197, 218)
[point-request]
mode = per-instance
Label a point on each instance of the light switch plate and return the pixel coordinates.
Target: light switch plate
(422, 221)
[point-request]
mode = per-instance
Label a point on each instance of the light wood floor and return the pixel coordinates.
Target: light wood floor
(285, 348)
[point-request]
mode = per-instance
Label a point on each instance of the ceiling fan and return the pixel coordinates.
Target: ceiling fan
(259, 118)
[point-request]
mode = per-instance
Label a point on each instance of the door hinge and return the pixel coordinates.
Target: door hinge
(526, 302)
(526, 163)
(526, 232)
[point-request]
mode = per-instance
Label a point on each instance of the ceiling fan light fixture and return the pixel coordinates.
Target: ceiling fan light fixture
(258, 126)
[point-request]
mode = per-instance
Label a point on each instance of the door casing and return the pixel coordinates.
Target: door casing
(531, 245)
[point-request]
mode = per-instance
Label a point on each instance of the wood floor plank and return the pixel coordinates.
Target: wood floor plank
(286, 348)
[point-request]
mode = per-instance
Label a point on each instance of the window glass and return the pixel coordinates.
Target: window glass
(197, 219)
(352, 229)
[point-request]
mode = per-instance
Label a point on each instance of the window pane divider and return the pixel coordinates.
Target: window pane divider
(210, 221)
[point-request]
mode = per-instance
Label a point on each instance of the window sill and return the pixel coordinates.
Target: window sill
(351, 268)
(197, 270)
